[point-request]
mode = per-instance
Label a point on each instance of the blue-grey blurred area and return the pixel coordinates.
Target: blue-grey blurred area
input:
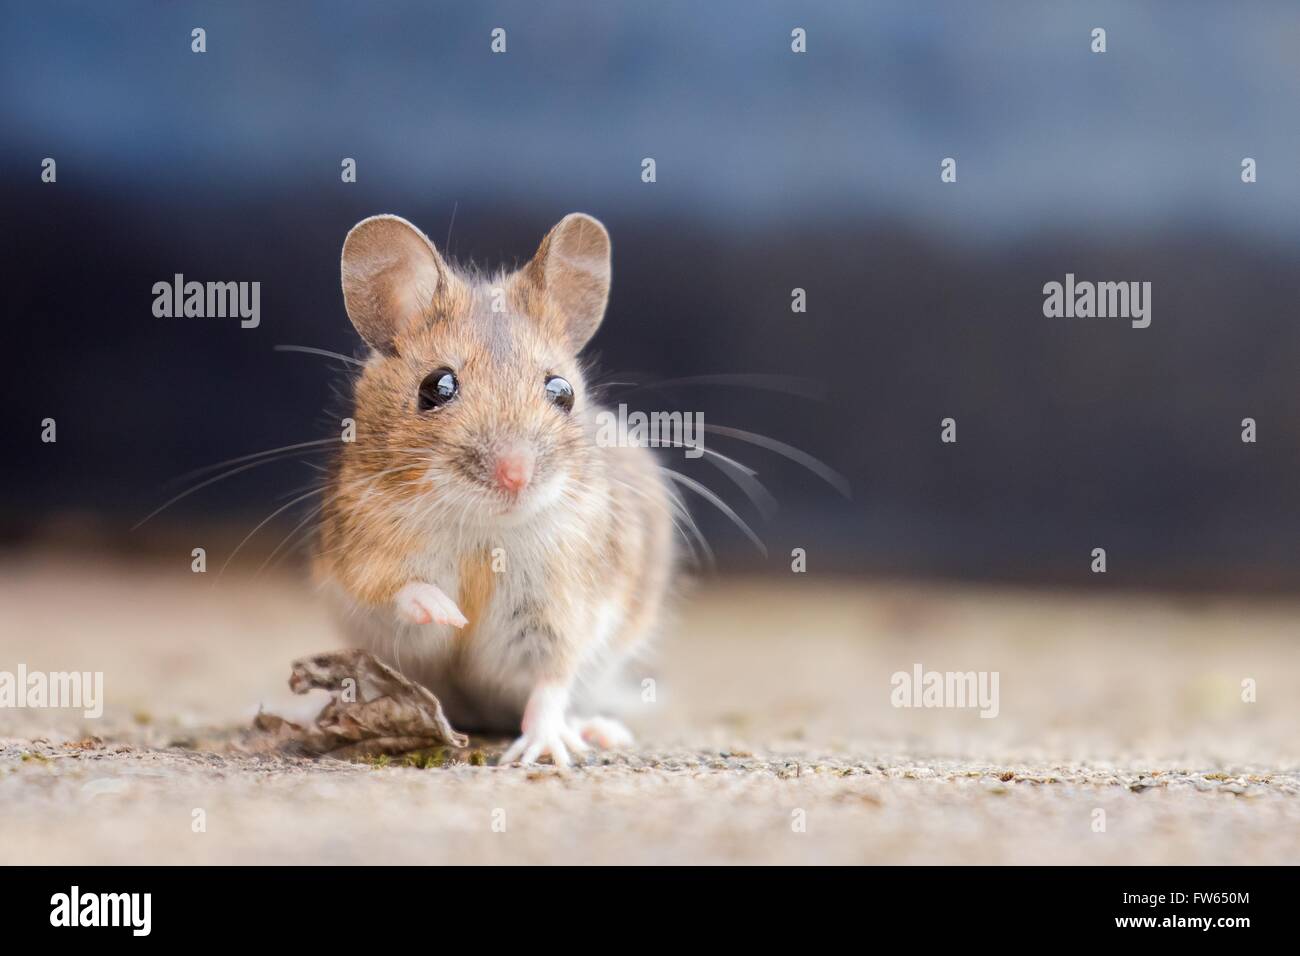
(775, 170)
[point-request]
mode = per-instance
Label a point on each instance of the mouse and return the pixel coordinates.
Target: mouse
(476, 535)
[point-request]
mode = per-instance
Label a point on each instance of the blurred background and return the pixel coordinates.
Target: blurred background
(774, 171)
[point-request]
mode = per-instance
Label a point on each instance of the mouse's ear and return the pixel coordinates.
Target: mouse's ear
(391, 273)
(572, 272)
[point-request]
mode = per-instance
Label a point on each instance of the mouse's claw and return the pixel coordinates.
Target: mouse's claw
(531, 747)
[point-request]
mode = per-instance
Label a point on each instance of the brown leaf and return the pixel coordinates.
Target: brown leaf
(373, 710)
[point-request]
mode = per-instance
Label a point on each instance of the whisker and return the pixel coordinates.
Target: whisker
(687, 527)
(312, 350)
(257, 454)
(454, 206)
(788, 384)
(200, 486)
(285, 540)
(257, 459)
(742, 475)
(260, 526)
(708, 495)
(675, 509)
(818, 468)
(315, 488)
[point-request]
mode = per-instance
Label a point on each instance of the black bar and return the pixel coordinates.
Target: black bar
(998, 906)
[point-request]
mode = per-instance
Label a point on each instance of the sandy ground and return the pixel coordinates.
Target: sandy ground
(771, 737)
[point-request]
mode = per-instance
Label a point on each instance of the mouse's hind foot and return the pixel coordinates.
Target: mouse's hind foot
(603, 732)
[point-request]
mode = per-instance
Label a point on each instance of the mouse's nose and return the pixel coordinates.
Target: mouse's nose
(514, 470)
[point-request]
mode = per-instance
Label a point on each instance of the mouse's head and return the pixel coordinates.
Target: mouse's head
(473, 404)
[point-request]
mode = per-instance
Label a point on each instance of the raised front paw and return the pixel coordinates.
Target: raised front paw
(422, 603)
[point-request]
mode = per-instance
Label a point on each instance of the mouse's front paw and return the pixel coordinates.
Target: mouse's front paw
(422, 603)
(545, 730)
(555, 740)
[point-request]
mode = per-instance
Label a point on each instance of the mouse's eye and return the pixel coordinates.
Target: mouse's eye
(560, 392)
(438, 388)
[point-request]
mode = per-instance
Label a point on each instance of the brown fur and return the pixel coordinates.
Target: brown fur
(475, 588)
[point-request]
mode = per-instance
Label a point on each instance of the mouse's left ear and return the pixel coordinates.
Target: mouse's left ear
(571, 271)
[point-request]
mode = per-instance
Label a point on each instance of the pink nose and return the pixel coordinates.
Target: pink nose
(514, 470)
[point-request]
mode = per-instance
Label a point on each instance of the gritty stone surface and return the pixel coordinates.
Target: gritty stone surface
(771, 736)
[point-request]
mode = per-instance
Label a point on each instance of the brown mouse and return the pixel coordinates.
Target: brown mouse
(476, 535)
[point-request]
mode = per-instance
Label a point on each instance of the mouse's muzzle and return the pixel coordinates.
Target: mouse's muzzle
(513, 469)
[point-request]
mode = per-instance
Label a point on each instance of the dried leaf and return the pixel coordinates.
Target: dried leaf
(373, 710)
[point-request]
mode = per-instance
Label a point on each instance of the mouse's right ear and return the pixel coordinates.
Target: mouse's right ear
(391, 273)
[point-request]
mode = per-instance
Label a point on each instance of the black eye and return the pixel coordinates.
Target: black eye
(438, 388)
(560, 392)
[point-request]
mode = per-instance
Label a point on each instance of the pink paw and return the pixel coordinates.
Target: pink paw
(422, 603)
(604, 732)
